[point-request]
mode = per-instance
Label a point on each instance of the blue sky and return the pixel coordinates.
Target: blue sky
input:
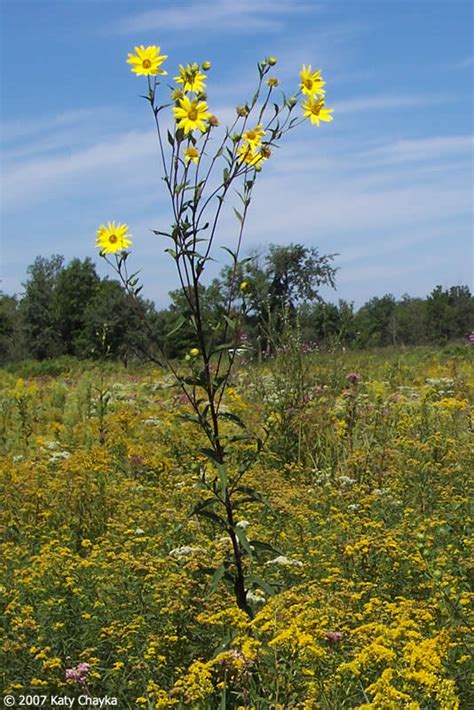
(387, 185)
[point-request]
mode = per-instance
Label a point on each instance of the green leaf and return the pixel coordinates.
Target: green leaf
(180, 323)
(214, 517)
(238, 215)
(242, 537)
(266, 546)
(233, 325)
(222, 471)
(254, 495)
(223, 704)
(202, 505)
(232, 253)
(212, 455)
(262, 584)
(233, 418)
(217, 576)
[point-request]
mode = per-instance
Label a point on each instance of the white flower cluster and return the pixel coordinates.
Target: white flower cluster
(256, 598)
(282, 561)
(184, 551)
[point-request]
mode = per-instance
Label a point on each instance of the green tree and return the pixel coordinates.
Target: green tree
(411, 320)
(76, 286)
(114, 327)
(38, 307)
(279, 282)
(375, 322)
(12, 330)
(450, 313)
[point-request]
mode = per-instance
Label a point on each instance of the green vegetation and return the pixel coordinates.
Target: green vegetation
(357, 557)
(70, 310)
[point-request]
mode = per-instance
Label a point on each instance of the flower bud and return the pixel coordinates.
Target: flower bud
(242, 111)
(271, 61)
(205, 66)
(194, 352)
(177, 94)
(244, 286)
(187, 358)
(213, 121)
(291, 102)
(272, 82)
(265, 151)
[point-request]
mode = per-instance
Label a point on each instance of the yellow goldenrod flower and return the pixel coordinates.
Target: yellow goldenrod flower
(191, 153)
(112, 238)
(191, 115)
(147, 60)
(311, 82)
(254, 136)
(316, 111)
(191, 78)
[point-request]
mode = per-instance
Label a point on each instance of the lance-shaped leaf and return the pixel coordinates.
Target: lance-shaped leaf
(262, 584)
(214, 517)
(254, 495)
(179, 324)
(233, 418)
(238, 215)
(217, 576)
(266, 546)
(222, 471)
(242, 538)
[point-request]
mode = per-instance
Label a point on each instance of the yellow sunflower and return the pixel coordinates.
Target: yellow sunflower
(191, 78)
(316, 111)
(147, 60)
(112, 238)
(254, 136)
(311, 82)
(191, 153)
(191, 115)
(249, 155)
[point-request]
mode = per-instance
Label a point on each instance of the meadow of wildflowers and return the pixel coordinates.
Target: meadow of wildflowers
(362, 548)
(217, 533)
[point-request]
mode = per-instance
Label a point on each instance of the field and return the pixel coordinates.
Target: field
(358, 550)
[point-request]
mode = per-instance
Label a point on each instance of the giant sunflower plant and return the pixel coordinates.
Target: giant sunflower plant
(204, 167)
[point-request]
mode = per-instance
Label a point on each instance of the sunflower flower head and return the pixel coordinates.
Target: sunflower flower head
(112, 238)
(147, 61)
(191, 115)
(191, 153)
(252, 156)
(254, 136)
(316, 111)
(191, 78)
(311, 82)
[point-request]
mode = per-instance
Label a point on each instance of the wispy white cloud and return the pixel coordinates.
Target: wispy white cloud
(228, 15)
(420, 149)
(385, 102)
(36, 178)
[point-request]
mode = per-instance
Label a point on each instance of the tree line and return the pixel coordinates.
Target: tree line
(67, 309)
